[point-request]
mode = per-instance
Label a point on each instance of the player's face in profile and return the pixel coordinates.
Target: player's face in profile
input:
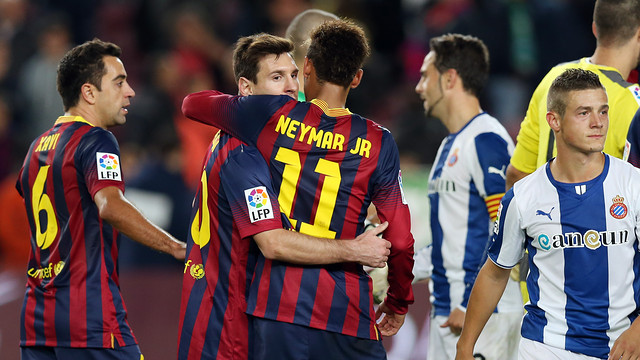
(586, 120)
(429, 87)
(277, 75)
(114, 97)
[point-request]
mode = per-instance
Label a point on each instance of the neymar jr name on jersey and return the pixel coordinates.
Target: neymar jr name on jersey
(323, 139)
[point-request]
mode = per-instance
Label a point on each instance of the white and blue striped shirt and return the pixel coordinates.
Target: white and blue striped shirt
(468, 171)
(582, 239)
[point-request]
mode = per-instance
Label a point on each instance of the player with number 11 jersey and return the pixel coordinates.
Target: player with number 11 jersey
(327, 166)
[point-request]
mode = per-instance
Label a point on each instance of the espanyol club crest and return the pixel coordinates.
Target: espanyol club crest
(453, 159)
(618, 210)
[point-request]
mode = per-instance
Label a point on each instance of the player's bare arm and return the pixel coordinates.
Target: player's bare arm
(484, 298)
(290, 246)
(121, 214)
(512, 176)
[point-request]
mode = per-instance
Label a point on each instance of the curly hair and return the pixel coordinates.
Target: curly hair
(338, 49)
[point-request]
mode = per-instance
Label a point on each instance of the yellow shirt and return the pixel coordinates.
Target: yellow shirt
(536, 143)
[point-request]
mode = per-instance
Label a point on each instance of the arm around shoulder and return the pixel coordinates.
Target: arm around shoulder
(114, 208)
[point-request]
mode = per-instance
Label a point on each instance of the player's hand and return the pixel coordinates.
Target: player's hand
(463, 354)
(371, 250)
(391, 322)
(455, 321)
(179, 250)
(627, 346)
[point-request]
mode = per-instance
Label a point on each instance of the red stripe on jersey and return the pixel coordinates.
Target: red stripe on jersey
(323, 300)
(352, 288)
(201, 325)
(29, 320)
(290, 291)
(263, 288)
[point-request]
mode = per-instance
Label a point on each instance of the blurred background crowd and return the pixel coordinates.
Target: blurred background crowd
(175, 47)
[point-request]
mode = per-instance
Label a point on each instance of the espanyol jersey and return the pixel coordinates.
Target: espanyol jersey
(466, 184)
(73, 294)
(234, 201)
(327, 166)
(582, 238)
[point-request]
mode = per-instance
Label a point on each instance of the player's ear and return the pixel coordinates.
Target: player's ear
(88, 93)
(356, 79)
(306, 68)
(450, 78)
(245, 86)
(553, 118)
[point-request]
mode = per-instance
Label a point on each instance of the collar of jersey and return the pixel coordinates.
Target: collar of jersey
(66, 119)
(335, 112)
(587, 60)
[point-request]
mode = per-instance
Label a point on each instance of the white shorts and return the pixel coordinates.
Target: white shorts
(498, 341)
(533, 350)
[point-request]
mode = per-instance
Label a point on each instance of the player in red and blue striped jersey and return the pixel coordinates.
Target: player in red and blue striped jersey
(72, 185)
(327, 166)
(236, 202)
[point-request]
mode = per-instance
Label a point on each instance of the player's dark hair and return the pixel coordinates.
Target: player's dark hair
(570, 80)
(338, 49)
(249, 50)
(616, 21)
(467, 55)
(81, 65)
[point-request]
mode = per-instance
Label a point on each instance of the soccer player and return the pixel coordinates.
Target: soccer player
(298, 31)
(467, 179)
(236, 201)
(578, 217)
(327, 165)
(616, 26)
(72, 185)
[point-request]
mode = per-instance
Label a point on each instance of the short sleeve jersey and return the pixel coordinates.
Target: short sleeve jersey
(582, 243)
(234, 201)
(73, 296)
(327, 166)
(465, 185)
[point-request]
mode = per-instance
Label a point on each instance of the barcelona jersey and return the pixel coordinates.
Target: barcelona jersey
(234, 201)
(327, 166)
(72, 297)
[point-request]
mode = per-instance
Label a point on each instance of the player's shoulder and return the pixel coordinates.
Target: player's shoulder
(623, 168)
(486, 126)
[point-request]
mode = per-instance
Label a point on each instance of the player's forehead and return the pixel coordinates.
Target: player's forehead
(114, 68)
(272, 62)
(428, 61)
(587, 98)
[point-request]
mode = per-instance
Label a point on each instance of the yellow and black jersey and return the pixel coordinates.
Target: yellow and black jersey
(535, 141)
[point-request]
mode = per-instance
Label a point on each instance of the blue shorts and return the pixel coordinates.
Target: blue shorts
(131, 352)
(280, 340)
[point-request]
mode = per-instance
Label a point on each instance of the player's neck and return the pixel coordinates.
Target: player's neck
(86, 114)
(621, 58)
(577, 167)
(461, 109)
(334, 95)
